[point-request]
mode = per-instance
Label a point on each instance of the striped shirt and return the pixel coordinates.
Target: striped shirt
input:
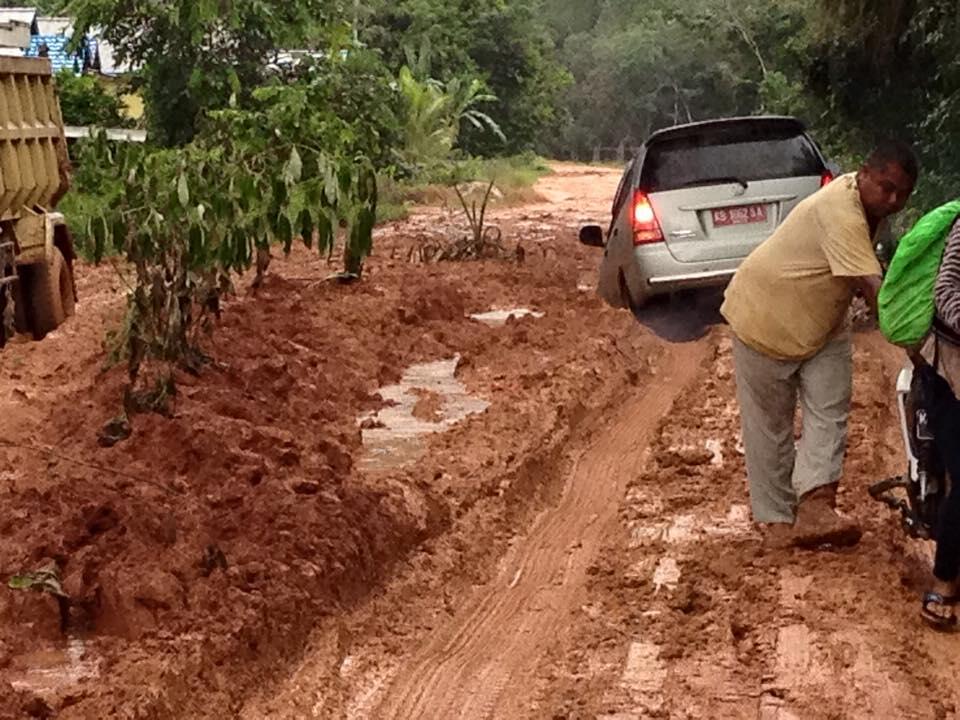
(948, 282)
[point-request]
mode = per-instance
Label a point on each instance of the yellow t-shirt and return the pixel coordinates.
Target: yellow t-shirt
(792, 294)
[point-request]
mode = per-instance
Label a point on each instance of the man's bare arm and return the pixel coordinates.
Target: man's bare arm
(869, 287)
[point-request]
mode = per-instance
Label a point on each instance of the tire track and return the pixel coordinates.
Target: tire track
(751, 632)
(483, 662)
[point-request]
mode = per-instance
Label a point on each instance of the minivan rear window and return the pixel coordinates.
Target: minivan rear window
(739, 152)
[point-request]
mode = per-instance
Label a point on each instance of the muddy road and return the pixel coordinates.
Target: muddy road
(457, 490)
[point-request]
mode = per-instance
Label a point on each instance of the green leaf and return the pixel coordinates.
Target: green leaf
(183, 192)
(306, 228)
(284, 232)
(119, 234)
(99, 229)
(330, 184)
(294, 170)
(45, 580)
(326, 236)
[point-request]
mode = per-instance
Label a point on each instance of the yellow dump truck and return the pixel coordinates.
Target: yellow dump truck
(36, 250)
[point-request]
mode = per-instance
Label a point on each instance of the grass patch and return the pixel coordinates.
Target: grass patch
(79, 208)
(514, 178)
(391, 211)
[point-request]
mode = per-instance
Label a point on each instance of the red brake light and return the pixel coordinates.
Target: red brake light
(826, 178)
(646, 227)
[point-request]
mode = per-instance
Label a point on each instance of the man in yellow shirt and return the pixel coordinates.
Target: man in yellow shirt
(788, 307)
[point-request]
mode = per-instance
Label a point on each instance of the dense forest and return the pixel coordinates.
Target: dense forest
(564, 77)
(853, 70)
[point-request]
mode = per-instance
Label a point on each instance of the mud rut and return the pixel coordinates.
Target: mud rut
(644, 592)
(690, 617)
(482, 663)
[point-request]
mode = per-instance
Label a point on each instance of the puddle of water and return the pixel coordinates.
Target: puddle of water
(369, 684)
(667, 575)
(772, 708)
(644, 675)
(47, 672)
(793, 589)
(398, 440)
(796, 662)
(737, 522)
(496, 318)
(715, 446)
(686, 529)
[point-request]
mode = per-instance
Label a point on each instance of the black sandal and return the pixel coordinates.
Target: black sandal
(939, 622)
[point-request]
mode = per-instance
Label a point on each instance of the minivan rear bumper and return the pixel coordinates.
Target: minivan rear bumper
(709, 277)
(654, 271)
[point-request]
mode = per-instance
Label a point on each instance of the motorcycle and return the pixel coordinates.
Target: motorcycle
(919, 492)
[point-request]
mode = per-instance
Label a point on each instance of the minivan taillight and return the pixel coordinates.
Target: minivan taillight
(826, 178)
(646, 227)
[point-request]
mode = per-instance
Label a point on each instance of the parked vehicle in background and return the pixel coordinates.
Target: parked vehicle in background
(36, 251)
(697, 199)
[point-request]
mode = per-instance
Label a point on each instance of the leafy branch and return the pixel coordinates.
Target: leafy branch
(45, 580)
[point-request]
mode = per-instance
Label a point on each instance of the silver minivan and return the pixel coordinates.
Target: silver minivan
(697, 199)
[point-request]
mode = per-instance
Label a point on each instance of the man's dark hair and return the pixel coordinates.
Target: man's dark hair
(894, 152)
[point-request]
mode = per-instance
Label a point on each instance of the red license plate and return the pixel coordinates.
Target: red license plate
(743, 215)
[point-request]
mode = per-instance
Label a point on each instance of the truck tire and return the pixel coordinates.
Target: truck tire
(4, 296)
(20, 321)
(50, 293)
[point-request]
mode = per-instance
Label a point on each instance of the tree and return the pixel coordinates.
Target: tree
(43, 6)
(188, 219)
(644, 66)
(195, 55)
(506, 45)
(892, 71)
(433, 113)
(565, 18)
(84, 101)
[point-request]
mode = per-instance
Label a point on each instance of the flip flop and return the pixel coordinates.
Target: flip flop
(938, 622)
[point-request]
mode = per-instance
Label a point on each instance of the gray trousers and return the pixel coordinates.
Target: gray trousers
(780, 471)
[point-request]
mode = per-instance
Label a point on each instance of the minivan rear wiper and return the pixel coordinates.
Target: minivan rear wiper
(711, 181)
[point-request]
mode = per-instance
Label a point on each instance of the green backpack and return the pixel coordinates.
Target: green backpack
(906, 303)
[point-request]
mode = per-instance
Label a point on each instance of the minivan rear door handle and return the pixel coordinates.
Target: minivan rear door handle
(682, 234)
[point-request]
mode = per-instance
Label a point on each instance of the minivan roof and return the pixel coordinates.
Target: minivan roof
(780, 123)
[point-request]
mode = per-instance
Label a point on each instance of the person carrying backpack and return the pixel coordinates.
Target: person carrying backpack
(919, 310)
(942, 352)
(788, 307)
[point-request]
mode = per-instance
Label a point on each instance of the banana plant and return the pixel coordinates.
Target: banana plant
(435, 113)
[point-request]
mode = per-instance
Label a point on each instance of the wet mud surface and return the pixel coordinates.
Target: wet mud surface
(458, 490)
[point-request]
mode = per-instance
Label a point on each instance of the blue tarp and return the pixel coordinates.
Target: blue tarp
(59, 57)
